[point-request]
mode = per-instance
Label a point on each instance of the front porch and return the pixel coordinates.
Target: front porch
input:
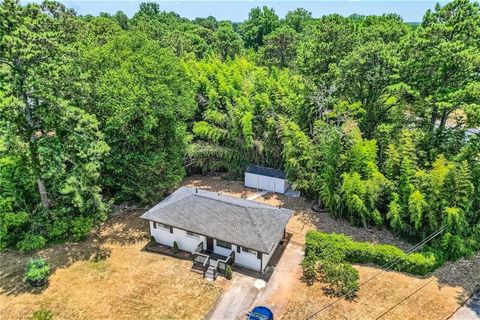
(210, 264)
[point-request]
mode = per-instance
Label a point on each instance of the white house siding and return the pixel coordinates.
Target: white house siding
(244, 259)
(248, 260)
(184, 241)
(188, 243)
(265, 183)
(266, 258)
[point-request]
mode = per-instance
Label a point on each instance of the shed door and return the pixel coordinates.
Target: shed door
(209, 244)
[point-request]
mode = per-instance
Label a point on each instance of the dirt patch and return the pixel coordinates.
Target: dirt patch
(108, 276)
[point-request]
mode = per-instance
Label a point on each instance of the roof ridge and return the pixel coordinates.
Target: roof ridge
(246, 202)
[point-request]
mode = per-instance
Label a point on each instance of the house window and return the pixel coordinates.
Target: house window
(163, 226)
(193, 235)
(249, 250)
(224, 244)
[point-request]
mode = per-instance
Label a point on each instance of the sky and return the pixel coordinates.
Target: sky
(236, 11)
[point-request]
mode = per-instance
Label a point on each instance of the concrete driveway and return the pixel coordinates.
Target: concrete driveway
(470, 310)
(245, 292)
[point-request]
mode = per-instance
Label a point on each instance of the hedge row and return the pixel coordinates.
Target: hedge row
(338, 247)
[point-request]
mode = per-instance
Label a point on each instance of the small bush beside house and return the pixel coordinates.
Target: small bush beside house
(175, 249)
(37, 272)
(152, 241)
(228, 272)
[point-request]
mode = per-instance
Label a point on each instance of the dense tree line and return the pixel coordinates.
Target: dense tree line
(368, 115)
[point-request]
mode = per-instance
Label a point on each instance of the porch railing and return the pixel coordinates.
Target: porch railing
(202, 261)
(222, 264)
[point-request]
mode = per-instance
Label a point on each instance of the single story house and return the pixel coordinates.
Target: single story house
(218, 229)
(266, 179)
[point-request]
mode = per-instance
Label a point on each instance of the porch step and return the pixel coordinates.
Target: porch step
(209, 274)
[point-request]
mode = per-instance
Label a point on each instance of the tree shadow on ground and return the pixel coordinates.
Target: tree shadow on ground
(119, 230)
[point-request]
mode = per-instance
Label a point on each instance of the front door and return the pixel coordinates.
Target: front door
(209, 244)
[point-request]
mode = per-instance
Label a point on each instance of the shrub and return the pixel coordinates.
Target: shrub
(175, 249)
(58, 231)
(81, 227)
(455, 247)
(31, 242)
(332, 251)
(341, 277)
(228, 272)
(37, 272)
(153, 241)
(339, 248)
(41, 315)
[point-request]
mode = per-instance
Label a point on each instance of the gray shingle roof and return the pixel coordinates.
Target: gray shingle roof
(243, 222)
(264, 171)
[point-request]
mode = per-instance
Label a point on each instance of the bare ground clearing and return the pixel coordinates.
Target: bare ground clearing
(108, 276)
(435, 301)
(449, 285)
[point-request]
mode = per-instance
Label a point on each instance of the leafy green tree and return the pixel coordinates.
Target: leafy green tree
(364, 76)
(260, 23)
(329, 164)
(229, 42)
(387, 28)
(326, 41)
(57, 145)
(441, 63)
(144, 99)
(298, 19)
(148, 9)
(297, 154)
(122, 20)
(209, 22)
(279, 47)
(100, 30)
(363, 184)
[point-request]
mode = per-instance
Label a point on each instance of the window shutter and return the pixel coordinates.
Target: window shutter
(259, 255)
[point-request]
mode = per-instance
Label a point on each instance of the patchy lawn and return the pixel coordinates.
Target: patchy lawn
(387, 294)
(108, 276)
